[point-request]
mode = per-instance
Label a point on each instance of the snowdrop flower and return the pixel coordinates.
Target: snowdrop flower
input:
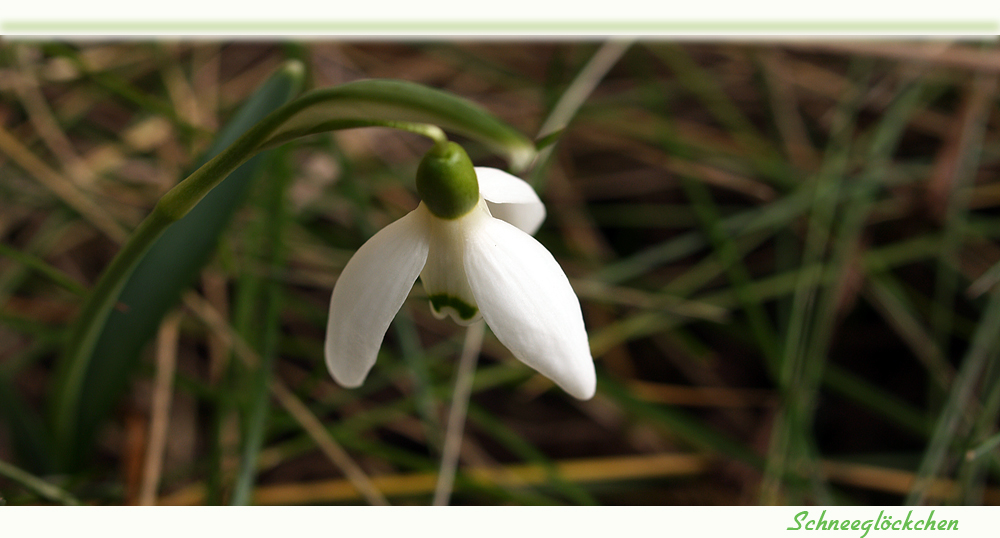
(469, 241)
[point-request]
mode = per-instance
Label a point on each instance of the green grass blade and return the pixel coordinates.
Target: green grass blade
(45, 269)
(528, 453)
(984, 345)
(886, 295)
(791, 445)
(704, 87)
(963, 175)
(974, 468)
(728, 254)
(985, 448)
(876, 399)
(680, 424)
(37, 485)
(263, 329)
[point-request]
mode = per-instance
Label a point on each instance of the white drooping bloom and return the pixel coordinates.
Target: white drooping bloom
(481, 264)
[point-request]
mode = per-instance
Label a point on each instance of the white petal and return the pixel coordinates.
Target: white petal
(511, 199)
(368, 294)
(526, 299)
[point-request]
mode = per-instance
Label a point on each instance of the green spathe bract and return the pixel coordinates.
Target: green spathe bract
(446, 181)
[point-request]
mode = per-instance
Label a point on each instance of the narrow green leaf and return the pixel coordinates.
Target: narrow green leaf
(98, 376)
(963, 391)
(974, 130)
(799, 374)
(37, 485)
(877, 399)
(703, 86)
(45, 269)
(983, 449)
(726, 251)
(528, 453)
(680, 424)
(261, 325)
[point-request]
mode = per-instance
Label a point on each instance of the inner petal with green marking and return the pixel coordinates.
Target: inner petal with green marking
(443, 304)
(444, 276)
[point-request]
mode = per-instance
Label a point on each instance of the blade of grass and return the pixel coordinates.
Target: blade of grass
(985, 448)
(985, 282)
(897, 481)
(37, 485)
(702, 85)
(844, 245)
(958, 178)
(775, 215)
(121, 87)
(680, 424)
(763, 289)
(788, 118)
(791, 446)
(416, 358)
(983, 347)
(969, 146)
(884, 293)
(876, 399)
(972, 472)
(575, 95)
(260, 324)
(53, 274)
(512, 441)
(739, 277)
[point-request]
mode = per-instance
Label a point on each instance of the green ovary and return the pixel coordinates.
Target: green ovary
(446, 181)
(464, 310)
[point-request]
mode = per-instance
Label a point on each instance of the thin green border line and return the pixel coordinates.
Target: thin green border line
(981, 27)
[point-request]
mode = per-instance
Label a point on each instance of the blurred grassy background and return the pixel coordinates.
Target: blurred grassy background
(786, 254)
